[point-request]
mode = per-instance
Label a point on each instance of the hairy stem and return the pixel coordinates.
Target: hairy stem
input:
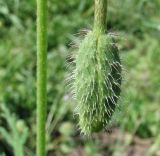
(100, 15)
(41, 75)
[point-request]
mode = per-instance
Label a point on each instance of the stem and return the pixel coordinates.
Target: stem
(41, 75)
(18, 150)
(100, 15)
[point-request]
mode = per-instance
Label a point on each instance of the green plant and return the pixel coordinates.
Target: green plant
(18, 133)
(139, 31)
(97, 75)
(41, 75)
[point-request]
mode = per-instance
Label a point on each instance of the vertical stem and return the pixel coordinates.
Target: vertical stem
(18, 150)
(41, 75)
(100, 15)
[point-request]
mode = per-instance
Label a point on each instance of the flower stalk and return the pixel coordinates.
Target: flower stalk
(100, 15)
(41, 75)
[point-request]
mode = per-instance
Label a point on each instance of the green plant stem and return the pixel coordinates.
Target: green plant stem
(41, 75)
(100, 15)
(18, 151)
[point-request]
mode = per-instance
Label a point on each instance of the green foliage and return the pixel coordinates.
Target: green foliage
(14, 74)
(143, 99)
(92, 149)
(17, 134)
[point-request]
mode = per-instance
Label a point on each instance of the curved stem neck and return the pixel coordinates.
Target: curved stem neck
(100, 16)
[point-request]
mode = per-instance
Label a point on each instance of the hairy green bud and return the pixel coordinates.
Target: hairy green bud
(97, 75)
(97, 81)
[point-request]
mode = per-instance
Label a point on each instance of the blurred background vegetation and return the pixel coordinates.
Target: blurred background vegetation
(135, 129)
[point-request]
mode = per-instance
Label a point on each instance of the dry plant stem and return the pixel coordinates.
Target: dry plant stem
(100, 16)
(41, 75)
